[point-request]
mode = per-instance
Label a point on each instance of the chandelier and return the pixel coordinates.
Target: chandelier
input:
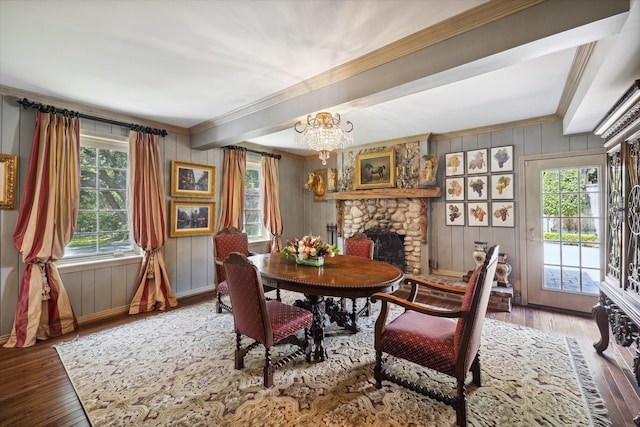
(324, 134)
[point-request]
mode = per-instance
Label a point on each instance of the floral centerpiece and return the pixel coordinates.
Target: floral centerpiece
(309, 250)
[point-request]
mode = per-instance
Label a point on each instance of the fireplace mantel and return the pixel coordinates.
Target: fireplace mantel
(383, 193)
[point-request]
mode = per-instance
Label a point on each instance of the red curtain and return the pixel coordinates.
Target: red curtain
(271, 216)
(46, 223)
(234, 167)
(147, 207)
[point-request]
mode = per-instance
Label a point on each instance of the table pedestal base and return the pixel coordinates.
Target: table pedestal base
(321, 307)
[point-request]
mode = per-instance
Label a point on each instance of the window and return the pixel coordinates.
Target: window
(253, 200)
(102, 228)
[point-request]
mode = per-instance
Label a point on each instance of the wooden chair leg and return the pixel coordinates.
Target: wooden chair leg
(240, 352)
(268, 368)
(219, 304)
(377, 370)
(460, 405)
(475, 370)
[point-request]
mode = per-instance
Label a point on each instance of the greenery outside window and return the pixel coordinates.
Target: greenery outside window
(253, 200)
(102, 229)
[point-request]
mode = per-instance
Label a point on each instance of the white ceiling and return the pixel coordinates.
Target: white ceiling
(232, 71)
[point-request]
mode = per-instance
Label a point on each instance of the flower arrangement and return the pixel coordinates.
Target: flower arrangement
(309, 247)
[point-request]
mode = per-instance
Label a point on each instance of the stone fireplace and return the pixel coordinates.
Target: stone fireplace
(395, 225)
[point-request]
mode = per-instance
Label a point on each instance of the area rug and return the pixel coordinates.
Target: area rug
(177, 369)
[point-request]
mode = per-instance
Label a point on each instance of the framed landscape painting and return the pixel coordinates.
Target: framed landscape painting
(192, 218)
(8, 177)
(193, 179)
(454, 213)
(376, 170)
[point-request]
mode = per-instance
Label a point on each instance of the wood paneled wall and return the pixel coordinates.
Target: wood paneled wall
(452, 246)
(109, 287)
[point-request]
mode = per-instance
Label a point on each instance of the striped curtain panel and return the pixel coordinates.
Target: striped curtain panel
(46, 223)
(234, 168)
(147, 207)
(271, 210)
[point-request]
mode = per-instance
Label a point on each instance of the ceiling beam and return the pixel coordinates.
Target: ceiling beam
(538, 30)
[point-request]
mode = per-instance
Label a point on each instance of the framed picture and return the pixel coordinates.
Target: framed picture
(454, 213)
(478, 214)
(8, 177)
(376, 170)
(502, 159)
(193, 179)
(502, 186)
(477, 187)
(454, 189)
(192, 218)
(454, 164)
(477, 161)
(502, 214)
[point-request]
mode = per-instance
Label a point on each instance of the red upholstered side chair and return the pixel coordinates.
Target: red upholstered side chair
(359, 244)
(267, 322)
(444, 340)
(226, 241)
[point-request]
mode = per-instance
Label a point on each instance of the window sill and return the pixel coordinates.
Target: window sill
(83, 265)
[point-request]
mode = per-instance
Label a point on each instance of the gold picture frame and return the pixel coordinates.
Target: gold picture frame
(192, 218)
(376, 170)
(193, 179)
(8, 179)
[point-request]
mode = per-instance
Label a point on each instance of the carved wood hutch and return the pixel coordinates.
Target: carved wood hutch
(619, 303)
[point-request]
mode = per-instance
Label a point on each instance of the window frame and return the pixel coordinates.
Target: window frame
(114, 142)
(254, 162)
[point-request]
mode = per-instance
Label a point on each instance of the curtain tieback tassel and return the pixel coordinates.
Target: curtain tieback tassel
(150, 269)
(46, 289)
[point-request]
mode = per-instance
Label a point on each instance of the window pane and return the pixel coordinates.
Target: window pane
(88, 199)
(113, 199)
(88, 156)
(87, 223)
(550, 181)
(252, 199)
(114, 242)
(112, 159)
(114, 179)
(569, 180)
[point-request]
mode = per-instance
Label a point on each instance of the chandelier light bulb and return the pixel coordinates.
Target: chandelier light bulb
(324, 134)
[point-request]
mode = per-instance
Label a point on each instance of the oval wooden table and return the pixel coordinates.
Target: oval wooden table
(342, 276)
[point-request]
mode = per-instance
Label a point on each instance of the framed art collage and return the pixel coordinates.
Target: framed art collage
(192, 217)
(479, 187)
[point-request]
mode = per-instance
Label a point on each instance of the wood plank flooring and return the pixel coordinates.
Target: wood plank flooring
(35, 390)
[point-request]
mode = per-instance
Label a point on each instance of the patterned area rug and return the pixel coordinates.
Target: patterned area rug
(176, 369)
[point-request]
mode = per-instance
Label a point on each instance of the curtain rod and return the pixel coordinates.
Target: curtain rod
(262, 153)
(69, 113)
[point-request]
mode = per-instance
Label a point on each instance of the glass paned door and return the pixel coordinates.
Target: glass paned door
(564, 223)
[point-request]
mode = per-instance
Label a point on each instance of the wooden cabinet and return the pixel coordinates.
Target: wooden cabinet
(619, 303)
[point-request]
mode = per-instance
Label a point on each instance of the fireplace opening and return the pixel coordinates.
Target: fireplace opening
(388, 246)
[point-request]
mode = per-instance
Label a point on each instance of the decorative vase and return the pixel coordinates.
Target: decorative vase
(314, 262)
(479, 252)
(503, 269)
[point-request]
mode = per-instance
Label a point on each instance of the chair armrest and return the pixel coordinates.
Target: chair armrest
(219, 262)
(409, 305)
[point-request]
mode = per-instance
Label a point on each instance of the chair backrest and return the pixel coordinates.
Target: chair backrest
(359, 245)
(250, 315)
(226, 241)
(474, 304)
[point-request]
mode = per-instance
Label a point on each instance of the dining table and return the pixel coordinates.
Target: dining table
(341, 276)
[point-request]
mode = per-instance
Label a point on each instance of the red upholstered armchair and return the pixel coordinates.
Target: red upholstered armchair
(359, 244)
(226, 241)
(267, 322)
(444, 340)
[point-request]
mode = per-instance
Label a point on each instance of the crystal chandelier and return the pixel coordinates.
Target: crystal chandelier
(324, 134)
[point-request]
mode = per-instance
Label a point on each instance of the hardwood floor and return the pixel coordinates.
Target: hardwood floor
(35, 390)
